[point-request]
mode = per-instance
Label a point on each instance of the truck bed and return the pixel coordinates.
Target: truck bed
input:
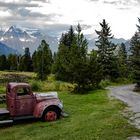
(3, 112)
(4, 117)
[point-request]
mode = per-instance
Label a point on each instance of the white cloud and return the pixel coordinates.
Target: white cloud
(120, 14)
(4, 14)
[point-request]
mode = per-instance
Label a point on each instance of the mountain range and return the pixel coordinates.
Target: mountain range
(91, 42)
(20, 38)
(16, 39)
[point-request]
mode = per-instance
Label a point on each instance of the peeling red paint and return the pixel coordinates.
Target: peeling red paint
(41, 106)
(22, 102)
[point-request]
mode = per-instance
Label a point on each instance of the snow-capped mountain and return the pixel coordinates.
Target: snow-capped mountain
(20, 38)
(14, 32)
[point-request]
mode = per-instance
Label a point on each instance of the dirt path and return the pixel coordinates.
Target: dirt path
(126, 94)
(132, 99)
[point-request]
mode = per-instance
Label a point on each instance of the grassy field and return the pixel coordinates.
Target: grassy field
(92, 117)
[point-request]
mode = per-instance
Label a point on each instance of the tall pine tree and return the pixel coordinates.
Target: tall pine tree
(95, 70)
(34, 60)
(3, 62)
(62, 64)
(12, 61)
(43, 60)
(135, 56)
(106, 57)
(122, 61)
(25, 63)
(71, 63)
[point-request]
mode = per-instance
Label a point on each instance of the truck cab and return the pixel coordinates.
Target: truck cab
(22, 102)
(20, 99)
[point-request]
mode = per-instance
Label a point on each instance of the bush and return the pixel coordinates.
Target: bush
(67, 87)
(51, 77)
(36, 85)
(104, 83)
(2, 88)
(124, 80)
(58, 86)
(51, 86)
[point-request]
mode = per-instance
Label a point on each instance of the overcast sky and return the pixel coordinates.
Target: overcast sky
(55, 16)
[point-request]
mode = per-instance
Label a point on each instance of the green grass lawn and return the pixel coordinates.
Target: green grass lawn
(92, 117)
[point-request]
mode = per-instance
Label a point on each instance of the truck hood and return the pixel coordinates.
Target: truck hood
(46, 95)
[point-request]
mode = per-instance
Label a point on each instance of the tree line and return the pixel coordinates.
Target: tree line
(73, 63)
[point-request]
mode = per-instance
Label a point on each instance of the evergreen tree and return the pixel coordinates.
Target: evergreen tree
(79, 61)
(26, 61)
(106, 57)
(94, 70)
(135, 56)
(122, 61)
(71, 63)
(138, 26)
(12, 61)
(3, 62)
(43, 60)
(18, 62)
(62, 64)
(34, 60)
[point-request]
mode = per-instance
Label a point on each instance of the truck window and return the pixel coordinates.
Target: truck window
(22, 91)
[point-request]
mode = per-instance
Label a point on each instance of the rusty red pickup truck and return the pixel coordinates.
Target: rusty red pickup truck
(22, 103)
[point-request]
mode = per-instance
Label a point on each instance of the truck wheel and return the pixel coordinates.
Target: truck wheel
(51, 114)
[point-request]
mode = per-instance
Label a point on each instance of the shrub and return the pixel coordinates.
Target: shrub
(51, 77)
(104, 83)
(36, 85)
(67, 87)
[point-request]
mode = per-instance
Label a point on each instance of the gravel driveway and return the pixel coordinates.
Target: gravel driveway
(128, 96)
(132, 99)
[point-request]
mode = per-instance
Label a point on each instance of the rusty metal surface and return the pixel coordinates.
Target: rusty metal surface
(14, 85)
(19, 104)
(27, 104)
(10, 102)
(40, 107)
(24, 105)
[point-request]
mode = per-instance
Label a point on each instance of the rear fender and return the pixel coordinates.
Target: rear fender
(40, 107)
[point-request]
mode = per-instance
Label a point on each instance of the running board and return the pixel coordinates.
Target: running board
(6, 122)
(23, 118)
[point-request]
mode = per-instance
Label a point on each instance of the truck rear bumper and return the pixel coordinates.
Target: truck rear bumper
(4, 112)
(6, 122)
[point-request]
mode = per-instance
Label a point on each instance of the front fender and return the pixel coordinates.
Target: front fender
(41, 106)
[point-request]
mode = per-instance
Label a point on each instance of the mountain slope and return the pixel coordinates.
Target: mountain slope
(4, 49)
(91, 42)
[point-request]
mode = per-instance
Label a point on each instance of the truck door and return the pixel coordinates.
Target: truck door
(25, 101)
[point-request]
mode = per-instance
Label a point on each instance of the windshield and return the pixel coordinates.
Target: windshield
(22, 91)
